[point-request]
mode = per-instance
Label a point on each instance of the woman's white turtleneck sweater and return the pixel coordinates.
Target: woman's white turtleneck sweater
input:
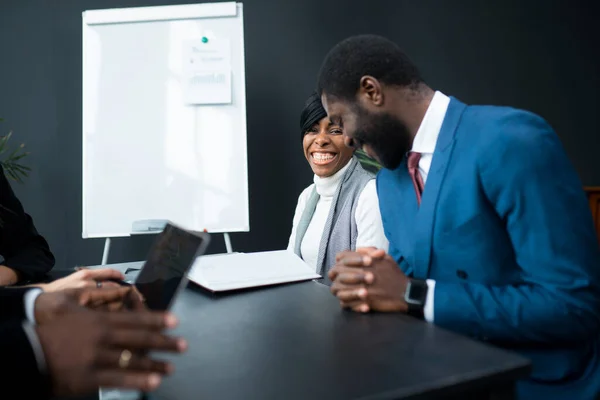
(368, 217)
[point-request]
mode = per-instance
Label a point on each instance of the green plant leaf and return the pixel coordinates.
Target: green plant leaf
(11, 164)
(367, 162)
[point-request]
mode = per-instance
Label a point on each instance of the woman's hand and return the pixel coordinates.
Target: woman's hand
(51, 305)
(85, 278)
(8, 276)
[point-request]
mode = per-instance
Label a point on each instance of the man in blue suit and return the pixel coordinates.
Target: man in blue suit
(490, 232)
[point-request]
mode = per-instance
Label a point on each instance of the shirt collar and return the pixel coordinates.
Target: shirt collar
(429, 130)
(327, 186)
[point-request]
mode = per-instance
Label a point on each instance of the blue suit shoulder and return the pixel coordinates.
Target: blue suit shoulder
(494, 128)
(493, 124)
(504, 138)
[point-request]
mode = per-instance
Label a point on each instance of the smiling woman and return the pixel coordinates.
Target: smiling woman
(323, 141)
(340, 210)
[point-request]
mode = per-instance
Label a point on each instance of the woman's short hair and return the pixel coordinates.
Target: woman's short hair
(312, 113)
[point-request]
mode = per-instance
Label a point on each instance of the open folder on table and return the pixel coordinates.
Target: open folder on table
(224, 272)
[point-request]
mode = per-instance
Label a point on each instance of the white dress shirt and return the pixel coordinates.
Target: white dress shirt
(29, 300)
(29, 327)
(424, 143)
(368, 217)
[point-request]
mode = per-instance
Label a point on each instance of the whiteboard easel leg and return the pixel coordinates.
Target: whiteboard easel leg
(106, 251)
(227, 243)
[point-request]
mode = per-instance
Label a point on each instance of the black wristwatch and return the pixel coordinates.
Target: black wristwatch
(415, 296)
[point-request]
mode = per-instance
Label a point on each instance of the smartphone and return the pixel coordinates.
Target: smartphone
(164, 274)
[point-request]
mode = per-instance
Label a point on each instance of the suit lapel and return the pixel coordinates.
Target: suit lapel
(307, 214)
(332, 219)
(408, 200)
(403, 213)
(407, 194)
(439, 164)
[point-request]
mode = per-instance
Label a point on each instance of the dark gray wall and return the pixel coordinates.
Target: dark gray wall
(539, 55)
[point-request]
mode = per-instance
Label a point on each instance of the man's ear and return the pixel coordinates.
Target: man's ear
(370, 91)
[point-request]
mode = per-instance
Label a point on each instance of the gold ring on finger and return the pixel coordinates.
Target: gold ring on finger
(125, 358)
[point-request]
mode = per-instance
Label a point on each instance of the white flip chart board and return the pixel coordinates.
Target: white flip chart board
(164, 119)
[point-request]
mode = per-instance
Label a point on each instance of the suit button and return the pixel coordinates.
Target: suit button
(462, 274)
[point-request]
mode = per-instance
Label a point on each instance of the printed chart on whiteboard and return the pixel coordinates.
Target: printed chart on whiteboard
(207, 70)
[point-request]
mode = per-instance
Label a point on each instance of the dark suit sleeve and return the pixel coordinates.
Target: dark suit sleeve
(22, 247)
(12, 304)
(19, 364)
(527, 177)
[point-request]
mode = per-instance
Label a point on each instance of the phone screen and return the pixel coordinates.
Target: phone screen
(165, 271)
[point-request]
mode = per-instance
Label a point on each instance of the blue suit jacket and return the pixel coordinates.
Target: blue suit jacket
(505, 230)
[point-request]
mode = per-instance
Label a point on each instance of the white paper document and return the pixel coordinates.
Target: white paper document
(244, 270)
(207, 72)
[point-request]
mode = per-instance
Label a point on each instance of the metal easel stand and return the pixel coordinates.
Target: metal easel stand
(227, 242)
(106, 251)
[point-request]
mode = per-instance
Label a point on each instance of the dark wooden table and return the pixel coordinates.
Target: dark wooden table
(294, 342)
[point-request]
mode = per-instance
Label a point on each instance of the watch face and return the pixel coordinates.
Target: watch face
(416, 292)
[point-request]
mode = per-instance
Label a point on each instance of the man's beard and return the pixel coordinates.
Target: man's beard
(388, 137)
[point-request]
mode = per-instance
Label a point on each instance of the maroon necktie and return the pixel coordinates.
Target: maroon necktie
(413, 170)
